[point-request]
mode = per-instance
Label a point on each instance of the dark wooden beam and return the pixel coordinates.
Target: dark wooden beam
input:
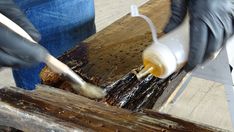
(50, 109)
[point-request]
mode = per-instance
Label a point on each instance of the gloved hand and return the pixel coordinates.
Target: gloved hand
(16, 51)
(211, 24)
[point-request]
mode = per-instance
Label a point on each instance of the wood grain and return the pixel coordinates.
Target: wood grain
(114, 54)
(50, 109)
(115, 51)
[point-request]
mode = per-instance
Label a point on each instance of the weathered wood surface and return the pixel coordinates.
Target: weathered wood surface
(107, 59)
(115, 51)
(50, 109)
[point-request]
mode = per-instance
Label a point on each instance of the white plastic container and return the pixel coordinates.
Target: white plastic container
(168, 54)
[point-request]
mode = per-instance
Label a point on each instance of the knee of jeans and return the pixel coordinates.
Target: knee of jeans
(27, 78)
(56, 16)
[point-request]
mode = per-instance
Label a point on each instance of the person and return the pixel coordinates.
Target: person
(58, 25)
(58, 21)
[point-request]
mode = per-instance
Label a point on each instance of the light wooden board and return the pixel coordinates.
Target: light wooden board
(203, 101)
(108, 11)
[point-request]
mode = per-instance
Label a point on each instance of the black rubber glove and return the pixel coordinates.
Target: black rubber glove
(16, 51)
(211, 24)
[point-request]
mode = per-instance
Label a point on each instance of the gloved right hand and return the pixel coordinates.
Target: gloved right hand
(211, 24)
(16, 51)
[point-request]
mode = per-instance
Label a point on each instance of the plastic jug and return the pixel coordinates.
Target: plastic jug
(166, 55)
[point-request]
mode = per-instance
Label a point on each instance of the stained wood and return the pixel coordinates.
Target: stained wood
(115, 51)
(48, 109)
(112, 56)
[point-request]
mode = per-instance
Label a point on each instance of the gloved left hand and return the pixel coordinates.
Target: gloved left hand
(211, 24)
(16, 51)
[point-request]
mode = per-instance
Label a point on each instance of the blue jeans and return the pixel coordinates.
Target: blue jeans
(62, 24)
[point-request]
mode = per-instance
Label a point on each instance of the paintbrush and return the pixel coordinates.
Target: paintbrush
(78, 83)
(57, 66)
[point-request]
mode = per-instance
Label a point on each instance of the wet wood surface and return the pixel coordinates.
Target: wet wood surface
(50, 109)
(116, 50)
(110, 58)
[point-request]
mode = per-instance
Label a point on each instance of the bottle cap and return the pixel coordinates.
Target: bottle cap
(161, 54)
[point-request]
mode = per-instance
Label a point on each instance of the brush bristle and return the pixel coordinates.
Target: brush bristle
(90, 91)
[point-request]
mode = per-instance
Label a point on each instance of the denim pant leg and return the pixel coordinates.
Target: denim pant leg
(62, 24)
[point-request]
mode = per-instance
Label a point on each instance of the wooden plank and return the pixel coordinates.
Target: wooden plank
(115, 51)
(203, 101)
(106, 59)
(109, 11)
(49, 109)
